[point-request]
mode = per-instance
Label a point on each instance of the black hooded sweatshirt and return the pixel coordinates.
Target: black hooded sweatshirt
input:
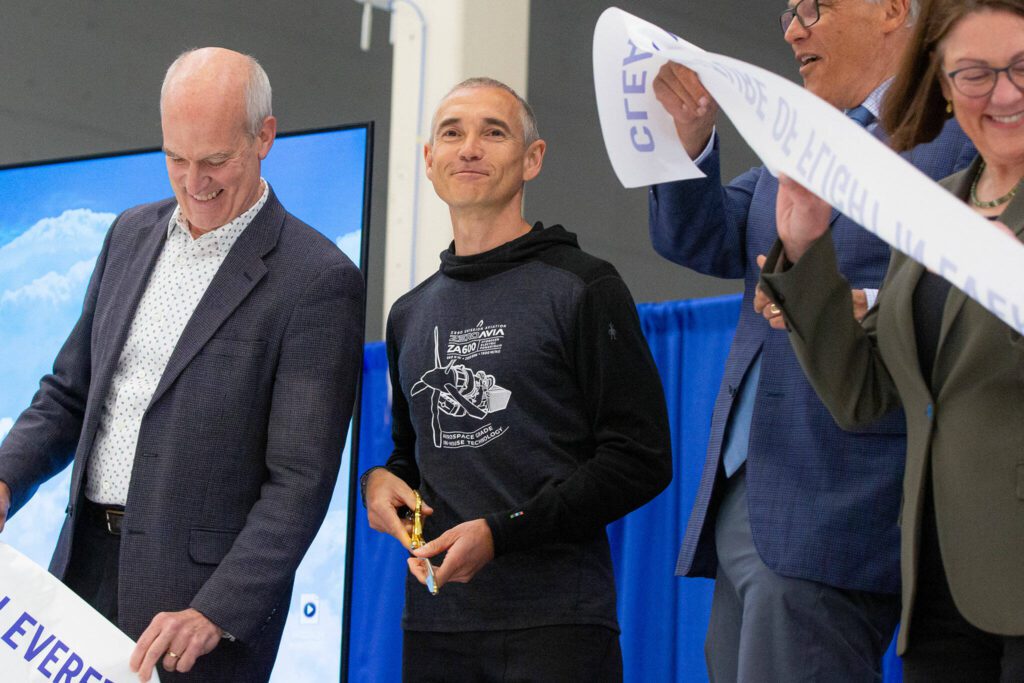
(524, 393)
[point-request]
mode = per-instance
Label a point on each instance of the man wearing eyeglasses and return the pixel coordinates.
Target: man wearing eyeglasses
(794, 518)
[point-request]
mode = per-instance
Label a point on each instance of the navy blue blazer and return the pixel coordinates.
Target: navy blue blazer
(239, 448)
(823, 502)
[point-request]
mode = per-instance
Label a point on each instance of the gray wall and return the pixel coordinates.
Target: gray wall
(83, 77)
(577, 186)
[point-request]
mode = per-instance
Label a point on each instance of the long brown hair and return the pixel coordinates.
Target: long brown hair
(914, 109)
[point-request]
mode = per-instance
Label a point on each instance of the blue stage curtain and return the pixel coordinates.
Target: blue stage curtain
(663, 618)
(378, 569)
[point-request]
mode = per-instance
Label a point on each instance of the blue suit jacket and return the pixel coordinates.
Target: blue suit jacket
(239, 448)
(823, 502)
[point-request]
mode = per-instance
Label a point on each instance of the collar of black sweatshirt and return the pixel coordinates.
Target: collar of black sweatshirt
(509, 255)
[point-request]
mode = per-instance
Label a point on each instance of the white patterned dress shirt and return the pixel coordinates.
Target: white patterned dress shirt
(182, 274)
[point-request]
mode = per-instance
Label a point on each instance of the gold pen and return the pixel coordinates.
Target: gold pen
(417, 541)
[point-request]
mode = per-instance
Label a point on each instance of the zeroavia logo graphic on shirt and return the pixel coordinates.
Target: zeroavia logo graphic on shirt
(457, 391)
(481, 340)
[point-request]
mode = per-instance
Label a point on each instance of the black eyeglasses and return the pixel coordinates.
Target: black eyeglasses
(806, 12)
(980, 81)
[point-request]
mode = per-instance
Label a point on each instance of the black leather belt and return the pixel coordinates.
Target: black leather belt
(107, 517)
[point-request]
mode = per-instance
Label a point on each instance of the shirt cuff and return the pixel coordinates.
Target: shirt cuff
(366, 477)
(871, 295)
(707, 148)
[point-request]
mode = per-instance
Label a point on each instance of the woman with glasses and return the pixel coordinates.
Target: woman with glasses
(955, 369)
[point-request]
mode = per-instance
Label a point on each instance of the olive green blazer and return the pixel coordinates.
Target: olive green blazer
(969, 428)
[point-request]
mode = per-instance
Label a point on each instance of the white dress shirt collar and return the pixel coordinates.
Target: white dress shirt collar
(233, 227)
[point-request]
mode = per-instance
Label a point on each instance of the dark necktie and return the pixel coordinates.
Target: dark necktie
(862, 116)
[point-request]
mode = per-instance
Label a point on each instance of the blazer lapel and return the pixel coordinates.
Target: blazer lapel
(149, 242)
(241, 271)
(900, 302)
(956, 299)
(954, 302)
(1013, 216)
(832, 217)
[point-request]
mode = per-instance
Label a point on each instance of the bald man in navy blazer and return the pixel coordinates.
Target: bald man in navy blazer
(204, 395)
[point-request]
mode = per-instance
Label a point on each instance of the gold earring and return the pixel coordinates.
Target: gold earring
(949, 106)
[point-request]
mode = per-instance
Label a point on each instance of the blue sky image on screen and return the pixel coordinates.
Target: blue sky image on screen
(53, 219)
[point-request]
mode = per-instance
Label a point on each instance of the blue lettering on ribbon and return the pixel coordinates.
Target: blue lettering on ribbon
(634, 115)
(947, 268)
(51, 657)
(34, 648)
(801, 164)
(635, 55)
(636, 84)
(634, 87)
(17, 628)
(54, 648)
(91, 673)
(72, 667)
(905, 242)
(970, 288)
(837, 192)
(857, 204)
(1018, 321)
(996, 304)
(724, 72)
(784, 130)
(647, 146)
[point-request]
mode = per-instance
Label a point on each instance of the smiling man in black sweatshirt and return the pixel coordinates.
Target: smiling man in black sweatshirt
(527, 413)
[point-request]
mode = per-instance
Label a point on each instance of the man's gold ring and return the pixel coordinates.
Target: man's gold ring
(172, 655)
(775, 309)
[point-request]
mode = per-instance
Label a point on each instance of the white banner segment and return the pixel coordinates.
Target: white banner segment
(47, 633)
(639, 134)
(796, 133)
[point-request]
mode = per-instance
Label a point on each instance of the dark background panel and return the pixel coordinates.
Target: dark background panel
(578, 186)
(83, 77)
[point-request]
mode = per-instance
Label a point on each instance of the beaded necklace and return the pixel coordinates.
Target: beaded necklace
(998, 201)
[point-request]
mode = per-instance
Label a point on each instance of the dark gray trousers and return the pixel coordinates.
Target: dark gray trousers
(92, 573)
(766, 627)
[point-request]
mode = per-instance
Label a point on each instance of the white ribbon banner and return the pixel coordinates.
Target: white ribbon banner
(47, 633)
(796, 133)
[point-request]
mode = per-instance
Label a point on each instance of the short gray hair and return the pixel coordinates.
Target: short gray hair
(258, 95)
(912, 15)
(527, 118)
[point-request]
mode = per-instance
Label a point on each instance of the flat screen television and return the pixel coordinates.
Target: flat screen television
(53, 218)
